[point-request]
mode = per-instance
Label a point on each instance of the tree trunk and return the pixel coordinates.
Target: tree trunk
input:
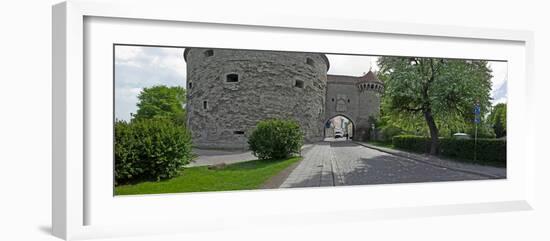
(434, 133)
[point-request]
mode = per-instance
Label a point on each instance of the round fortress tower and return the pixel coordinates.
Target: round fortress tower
(230, 91)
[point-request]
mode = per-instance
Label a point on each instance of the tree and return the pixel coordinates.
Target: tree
(497, 119)
(434, 92)
(161, 102)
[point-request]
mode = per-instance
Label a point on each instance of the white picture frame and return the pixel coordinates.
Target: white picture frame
(73, 191)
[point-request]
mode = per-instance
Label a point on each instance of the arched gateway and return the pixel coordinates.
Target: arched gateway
(339, 126)
(355, 98)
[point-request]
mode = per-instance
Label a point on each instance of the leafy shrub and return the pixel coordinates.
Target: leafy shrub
(275, 139)
(412, 143)
(388, 132)
(126, 161)
(489, 151)
(150, 149)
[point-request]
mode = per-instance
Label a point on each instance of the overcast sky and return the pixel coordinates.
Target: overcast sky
(139, 67)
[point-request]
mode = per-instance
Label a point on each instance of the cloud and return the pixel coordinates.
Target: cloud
(138, 67)
(125, 102)
(499, 82)
(358, 65)
(353, 65)
(127, 55)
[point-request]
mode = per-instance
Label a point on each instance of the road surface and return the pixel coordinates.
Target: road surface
(337, 163)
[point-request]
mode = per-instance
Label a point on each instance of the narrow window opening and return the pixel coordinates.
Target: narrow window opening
(208, 53)
(238, 132)
(332, 99)
(190, 85)
(299, 84)
(348, 100)
(232, 78)
(310, 61)
(205, 104)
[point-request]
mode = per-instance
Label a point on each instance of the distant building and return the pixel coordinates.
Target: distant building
(229, 91)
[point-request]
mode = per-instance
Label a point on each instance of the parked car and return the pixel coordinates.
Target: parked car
(338, 134)
(461, 136)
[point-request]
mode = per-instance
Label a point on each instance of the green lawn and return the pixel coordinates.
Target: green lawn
(238, 176)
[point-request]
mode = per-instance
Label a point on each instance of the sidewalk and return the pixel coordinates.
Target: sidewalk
(206, 157)
(488, 171)
(315, 170)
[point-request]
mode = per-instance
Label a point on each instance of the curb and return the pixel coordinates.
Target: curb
(430, 163)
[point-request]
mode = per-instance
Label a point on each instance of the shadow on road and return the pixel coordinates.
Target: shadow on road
(342, 143)
(379, 168)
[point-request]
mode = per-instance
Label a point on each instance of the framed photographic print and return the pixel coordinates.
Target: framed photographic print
(205, 122)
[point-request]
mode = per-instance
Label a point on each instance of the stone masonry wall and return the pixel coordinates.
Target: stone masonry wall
(344, 98)
(270, 84)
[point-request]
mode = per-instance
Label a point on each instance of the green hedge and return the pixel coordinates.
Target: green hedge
(276, 139)
(412, 143)
(151, 149)
(489, 151)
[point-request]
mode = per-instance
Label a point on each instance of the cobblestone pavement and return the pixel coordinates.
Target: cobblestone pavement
(490, 171)
(314, 170)
(346, 163)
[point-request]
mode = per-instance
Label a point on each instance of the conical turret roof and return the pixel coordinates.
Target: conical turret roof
(370, 77)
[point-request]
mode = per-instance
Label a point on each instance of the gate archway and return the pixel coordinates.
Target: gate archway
(339, 127)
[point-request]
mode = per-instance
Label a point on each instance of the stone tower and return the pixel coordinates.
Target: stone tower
(229, 91)
(356, 98)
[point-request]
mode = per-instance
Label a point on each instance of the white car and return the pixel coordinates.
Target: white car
(338, 134)
(461, 136)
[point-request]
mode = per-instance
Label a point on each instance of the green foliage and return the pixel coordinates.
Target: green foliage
(413, 143)
(161, 102)
(276, 139)
(484, 130)
(497, 120)
(387, 130)
(437, 93)
(151, 149)
(489, 151)
(126, 157)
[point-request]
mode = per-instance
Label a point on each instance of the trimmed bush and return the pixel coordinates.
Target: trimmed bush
(126, 161)
(150, 149)
(419, 144)
(489, 151)
(276, 139)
